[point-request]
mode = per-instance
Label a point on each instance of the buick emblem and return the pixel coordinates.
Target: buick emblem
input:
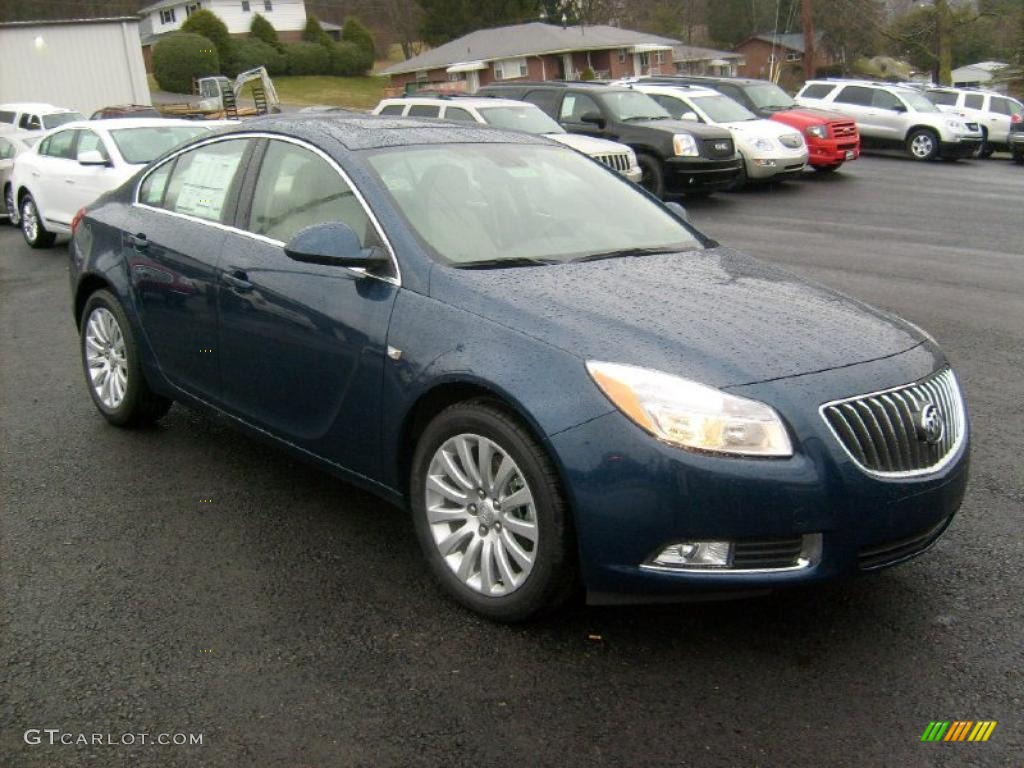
(929, 424)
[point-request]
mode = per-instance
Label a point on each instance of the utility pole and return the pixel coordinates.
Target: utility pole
(807, 13)
(944, 31)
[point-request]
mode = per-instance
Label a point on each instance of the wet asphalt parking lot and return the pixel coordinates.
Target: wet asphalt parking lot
(291, 621)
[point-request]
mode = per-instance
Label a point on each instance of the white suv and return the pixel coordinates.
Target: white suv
(994, 112)
(890, 115)
(514, 116)
(33, 116)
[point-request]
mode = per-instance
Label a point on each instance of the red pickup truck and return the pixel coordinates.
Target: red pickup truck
(832, 138)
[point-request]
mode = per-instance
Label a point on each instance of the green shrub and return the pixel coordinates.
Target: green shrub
(264, 31)
(587, 74)
(349, 60)
(207, 24)
(256, 53)
(314, 33)
(180, 57)
(307, 59)
(354, 32)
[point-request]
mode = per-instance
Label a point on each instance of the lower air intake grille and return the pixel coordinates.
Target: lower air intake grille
(912, 429)
(890, 552)
(776, 553)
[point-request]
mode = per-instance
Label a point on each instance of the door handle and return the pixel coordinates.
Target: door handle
(139, 242)
(238, 280)
(69, 181)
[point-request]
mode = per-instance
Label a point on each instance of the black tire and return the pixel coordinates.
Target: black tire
(986, 150)
(923, 144)
(36, 236)
(140, 406)
(1018, 158)
(825, 170)
(741, 179)
(553, 578)
(653, 178)
(10, 206)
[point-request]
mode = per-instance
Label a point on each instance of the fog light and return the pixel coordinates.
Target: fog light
(695, 554)
(765, 163)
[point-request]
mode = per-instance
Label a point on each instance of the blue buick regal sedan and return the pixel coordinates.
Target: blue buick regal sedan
(567, 385)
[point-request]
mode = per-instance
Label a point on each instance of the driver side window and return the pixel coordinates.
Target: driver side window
(885, 100)
(672, 105)
(575, 106)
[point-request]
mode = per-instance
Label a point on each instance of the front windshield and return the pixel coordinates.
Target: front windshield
(506, 203)
(633, 105)
(722, 109)
(52, 121)
(139, 146)
(917, 102)
(526, 119)
(769, 96)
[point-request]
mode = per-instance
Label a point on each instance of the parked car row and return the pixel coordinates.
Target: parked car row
(566, 384)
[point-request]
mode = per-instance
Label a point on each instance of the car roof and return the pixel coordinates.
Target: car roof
(355, 132)
(136, 122)
(35, 106)
(689, 90)
(467, 101)
(559, 84)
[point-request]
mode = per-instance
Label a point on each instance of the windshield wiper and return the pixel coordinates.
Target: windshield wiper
(646, 117)
(517, 261)
(625, 253)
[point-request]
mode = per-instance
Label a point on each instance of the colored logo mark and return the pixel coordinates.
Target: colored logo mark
(958, 730)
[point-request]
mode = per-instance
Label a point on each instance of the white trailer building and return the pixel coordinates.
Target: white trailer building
(83, 64)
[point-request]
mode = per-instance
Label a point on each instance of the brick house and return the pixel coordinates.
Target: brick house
(534, 51)
(764, 54)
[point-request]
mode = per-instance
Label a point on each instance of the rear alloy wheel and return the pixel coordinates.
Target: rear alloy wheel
(10, 206)
(923, 144)
(112, 370)
(489, 514)
(653, 178)
(36, 235)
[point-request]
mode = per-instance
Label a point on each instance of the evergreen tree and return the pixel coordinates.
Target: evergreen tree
(261, 29)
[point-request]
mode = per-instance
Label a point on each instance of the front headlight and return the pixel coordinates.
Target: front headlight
(691, 415)
(817, 131)
(762, 144)
(684, 145)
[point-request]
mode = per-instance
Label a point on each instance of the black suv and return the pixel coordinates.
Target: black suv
(677, 158)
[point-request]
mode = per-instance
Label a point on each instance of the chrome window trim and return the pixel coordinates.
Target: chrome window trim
(954, 451)
(396, 280)
(810, 556)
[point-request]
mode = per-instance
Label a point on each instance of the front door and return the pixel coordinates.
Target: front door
(173, 250)
(84, 183)
(303, 345)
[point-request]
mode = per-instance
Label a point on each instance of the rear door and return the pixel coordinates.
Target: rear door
(173, 250)
(1002, 112)
(302, 346)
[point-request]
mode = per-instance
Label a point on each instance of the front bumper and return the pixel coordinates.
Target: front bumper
(964, 147)
(632, 496)
(831, 152)
(697, 174)
(775, 165)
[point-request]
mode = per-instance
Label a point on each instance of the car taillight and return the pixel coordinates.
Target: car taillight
(1016, 118)
(77, 220)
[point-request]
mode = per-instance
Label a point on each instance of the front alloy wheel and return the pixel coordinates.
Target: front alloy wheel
(923, 145)
(489, 513)
(105, 358)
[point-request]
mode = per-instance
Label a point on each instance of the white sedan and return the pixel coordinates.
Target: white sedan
(73, 165)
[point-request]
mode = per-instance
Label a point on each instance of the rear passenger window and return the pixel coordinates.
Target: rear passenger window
(974, 100)
(392, 109)
(6, 116)
(424, 110)
(459, 115)
(296, 189)
(816, 91)
(201, 180)
(855, 94)
(1004, 106)
(30, 122)
(59, 145)
(546, 100)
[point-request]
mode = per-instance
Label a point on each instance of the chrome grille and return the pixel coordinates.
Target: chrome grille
(618, 162)
(883, 432)
(718, 148)
(842, 130)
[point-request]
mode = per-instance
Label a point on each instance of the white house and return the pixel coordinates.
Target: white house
(980, 74)
(287, 16)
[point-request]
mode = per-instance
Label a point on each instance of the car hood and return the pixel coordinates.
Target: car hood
(589, 145)
(715, 316)
(809, 116)
(759, 129)
(691, 127)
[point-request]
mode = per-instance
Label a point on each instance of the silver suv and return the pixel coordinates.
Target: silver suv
(895, 116)
(994, 112)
